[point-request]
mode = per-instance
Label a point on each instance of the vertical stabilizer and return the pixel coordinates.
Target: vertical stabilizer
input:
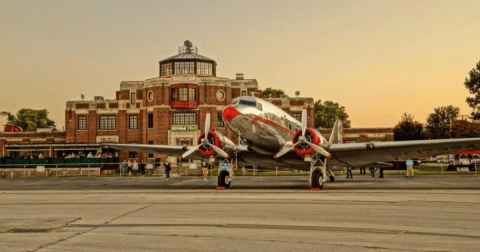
(337, 133)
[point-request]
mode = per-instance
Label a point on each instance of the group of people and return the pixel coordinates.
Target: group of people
(373, 171)
(132, 167)
(81, 154)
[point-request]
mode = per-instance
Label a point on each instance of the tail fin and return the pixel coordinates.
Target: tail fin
(337, 133)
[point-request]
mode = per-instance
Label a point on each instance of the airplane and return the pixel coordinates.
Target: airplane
(269, 137)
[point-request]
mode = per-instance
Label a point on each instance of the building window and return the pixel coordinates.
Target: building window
(132, 154)
(107, 123)
(204, 68)
(220, 122)
(184, 118)
(184, 68)
(184, 94)
(150, 120)
(191, 94)
(132, 98)
(244, 93)
(167, 69)
(297, 116)
(82, 123)
(150, 155)
(133, 122)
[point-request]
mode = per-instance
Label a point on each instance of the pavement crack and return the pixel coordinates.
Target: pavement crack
(87, 231)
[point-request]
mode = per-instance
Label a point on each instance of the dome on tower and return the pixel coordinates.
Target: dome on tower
(188, 61)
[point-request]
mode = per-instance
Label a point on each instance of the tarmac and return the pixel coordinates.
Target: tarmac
(425, 213)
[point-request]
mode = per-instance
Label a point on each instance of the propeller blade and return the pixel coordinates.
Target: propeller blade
(207, 126)
(218, 150)
(304, 121)
(283, 151)
(189, 152)
(319, 150)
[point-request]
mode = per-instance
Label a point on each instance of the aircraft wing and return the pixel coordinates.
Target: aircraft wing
(358, 154)
(171, 150)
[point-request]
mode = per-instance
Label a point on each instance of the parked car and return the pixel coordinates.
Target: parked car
(463, 160)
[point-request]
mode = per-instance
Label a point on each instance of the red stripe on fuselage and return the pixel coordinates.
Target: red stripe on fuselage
(272, 123)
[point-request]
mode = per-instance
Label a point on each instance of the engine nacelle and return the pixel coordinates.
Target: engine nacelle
(216, 138)
(312, 136)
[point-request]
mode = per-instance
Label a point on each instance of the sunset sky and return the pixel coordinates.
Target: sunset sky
(379, 59)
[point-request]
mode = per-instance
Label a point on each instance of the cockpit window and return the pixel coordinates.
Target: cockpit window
(235, 101)
(251, 103)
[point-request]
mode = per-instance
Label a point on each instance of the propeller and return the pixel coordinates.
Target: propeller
(204, 142)
(302, 140)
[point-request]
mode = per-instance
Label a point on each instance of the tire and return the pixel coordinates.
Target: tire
(332, 178)
(317, 176)
(221, 179)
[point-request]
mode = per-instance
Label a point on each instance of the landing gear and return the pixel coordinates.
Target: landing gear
(224, 179)
(225, 176)
(331, 177)
(318, 172)
(317, 179)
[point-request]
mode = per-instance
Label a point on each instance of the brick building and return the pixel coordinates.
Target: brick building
(168, 109)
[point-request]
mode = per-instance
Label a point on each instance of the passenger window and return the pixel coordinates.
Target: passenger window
(248, 103)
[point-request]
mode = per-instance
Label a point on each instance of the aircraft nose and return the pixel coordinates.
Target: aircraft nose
(229, 113)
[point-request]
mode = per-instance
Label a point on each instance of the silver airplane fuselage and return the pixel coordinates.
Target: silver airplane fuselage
(261, 125)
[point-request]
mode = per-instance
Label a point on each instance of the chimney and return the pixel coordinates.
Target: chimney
(239, 76)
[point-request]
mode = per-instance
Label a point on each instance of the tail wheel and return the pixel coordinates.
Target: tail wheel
(332, 178)
(317, 179)
(223, 178)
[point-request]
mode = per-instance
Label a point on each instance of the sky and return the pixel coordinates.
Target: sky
(378, 59)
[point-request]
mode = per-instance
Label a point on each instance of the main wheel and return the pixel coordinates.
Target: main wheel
(317, 179)
(332, 178)
(222, 179)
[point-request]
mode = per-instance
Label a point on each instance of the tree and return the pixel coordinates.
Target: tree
(328, 112)
(30, 119)
(439, 124)
(407, 129)
(473, 85)
(464, 128)
(272, 92)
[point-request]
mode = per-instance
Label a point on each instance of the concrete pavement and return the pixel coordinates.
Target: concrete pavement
(50, 216)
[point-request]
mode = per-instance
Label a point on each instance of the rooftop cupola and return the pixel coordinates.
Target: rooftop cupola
(188, 61)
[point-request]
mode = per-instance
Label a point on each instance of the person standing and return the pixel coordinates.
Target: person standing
(409, 164)
(167, 168)
(372, 171)
(349, 172)
(205, 170)
(123, 168)
(134, 167)
(362, 170)
(129, 166)
(142, 168)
